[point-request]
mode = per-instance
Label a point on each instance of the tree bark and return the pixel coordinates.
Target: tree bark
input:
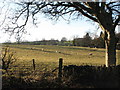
(110, 43)
(106, 24)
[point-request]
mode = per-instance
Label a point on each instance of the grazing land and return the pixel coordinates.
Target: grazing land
(50, 54)
(22, 75)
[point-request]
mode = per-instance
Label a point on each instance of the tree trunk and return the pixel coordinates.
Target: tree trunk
(106, 24)
(110, 43)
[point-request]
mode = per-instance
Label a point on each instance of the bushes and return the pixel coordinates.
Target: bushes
(93, 76)
(8, 58)
(73, 77)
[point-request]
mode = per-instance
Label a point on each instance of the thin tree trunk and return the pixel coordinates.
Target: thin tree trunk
(110, 43)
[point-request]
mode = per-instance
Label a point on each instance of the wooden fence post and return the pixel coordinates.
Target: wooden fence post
(34, 64)
(60, 69)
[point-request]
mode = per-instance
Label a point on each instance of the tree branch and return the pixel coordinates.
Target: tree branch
(90, 17)
(117, 21)
(89, 10)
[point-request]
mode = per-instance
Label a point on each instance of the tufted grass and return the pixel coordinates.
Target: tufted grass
(70, 54)
(46, 59)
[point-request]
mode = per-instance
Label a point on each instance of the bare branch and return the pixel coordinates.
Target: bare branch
(81, 8)
(89, 10)
(20, 13)
(117, 21)
(90, 17)
(93, 10)
(116, 11)
(5, 14)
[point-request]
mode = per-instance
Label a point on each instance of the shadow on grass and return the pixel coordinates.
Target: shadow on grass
(73, 77)
(93, 76)
(17, 83)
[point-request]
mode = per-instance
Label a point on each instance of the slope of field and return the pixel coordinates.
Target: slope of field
(22, 74)
(51, 54)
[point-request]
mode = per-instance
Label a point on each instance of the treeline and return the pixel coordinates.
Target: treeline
(48, 42)
(86, 41)
(98, 42)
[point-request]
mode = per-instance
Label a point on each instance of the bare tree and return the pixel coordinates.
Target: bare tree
(18, 38)
(106, 14)
(4, 10)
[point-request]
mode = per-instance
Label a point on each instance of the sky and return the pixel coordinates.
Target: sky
(47, 29)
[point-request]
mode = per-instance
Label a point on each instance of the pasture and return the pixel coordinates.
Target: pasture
(50, 54)
(47, 57)
(22, 75)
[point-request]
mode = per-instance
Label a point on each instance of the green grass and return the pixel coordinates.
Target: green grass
(46, 60)
(70, 54)
(118, 57)
(47, 57)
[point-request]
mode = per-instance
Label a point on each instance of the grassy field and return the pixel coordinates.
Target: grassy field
(22, 75)
(51, 54)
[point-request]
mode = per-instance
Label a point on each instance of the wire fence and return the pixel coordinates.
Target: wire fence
(33, 67)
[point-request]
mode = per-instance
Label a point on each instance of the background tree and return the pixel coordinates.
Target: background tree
(78, 42)
(52, 42)
(18, 38)
(106, 14)
(75, 41)
(87, 40)
(98, 42)
(64, 39)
